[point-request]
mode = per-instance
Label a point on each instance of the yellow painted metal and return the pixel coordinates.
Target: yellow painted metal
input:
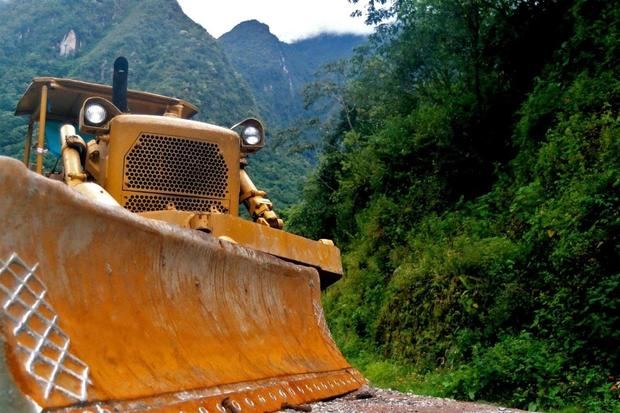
(149, 315)
(182, 306)
(259, 207)
(161, 142)
(322, 255)
(41, 140)
(74, 173)
(69, 95)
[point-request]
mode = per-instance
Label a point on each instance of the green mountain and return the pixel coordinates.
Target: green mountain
(248, 72)
(276, 71)
(167, 51)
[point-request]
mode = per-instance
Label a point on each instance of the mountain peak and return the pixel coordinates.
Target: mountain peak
(251, 26)
(277, 71)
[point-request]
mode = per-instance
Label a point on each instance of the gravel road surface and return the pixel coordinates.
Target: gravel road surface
(372, 400)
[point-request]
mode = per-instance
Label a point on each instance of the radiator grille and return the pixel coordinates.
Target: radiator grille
(168, 164)
(143, 203)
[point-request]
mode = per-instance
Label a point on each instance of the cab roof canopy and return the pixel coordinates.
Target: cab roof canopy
(66, 96)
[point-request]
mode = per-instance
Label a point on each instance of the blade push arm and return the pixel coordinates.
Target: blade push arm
(73, 158)
(259, 207)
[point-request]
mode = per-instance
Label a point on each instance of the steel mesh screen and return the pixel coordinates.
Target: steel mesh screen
(168, 164)
(142, 203)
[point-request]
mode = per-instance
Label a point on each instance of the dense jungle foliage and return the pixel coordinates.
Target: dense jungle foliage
(473, 184)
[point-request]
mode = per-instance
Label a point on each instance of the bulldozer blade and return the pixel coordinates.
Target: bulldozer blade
(102, 310)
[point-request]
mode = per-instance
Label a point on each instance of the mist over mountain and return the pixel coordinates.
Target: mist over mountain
(277, 71)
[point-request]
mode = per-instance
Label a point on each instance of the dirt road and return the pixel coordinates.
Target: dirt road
(373, 400)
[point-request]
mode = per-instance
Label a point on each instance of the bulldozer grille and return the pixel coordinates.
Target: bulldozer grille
(188, 173)
(141, 203)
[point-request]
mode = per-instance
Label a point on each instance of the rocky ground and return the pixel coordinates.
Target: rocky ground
(372, 400)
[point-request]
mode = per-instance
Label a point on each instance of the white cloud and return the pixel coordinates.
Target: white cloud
(290, 20)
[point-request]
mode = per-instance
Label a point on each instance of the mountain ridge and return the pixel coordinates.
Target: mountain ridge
(278, 70)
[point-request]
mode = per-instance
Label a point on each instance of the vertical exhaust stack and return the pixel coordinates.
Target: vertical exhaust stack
(119, 83)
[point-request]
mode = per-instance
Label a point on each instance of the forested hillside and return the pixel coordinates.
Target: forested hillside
(277, 72)
(168, 54)
(472, 181)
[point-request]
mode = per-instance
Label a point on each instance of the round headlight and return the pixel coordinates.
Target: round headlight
(251, 135)
(95, 114)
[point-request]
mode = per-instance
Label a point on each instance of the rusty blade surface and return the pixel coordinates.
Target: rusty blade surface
(105, 310)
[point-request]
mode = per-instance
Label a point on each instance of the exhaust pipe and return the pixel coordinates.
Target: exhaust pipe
(119, 83)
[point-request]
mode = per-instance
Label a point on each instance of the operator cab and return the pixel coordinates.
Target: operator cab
(143, 149)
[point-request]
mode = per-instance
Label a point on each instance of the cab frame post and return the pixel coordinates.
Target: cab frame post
(42, 119)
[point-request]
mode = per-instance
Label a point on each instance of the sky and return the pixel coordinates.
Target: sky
(290, 20)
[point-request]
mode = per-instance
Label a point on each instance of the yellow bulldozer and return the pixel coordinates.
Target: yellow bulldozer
(128, 280)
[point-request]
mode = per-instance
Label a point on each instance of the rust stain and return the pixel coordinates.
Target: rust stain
(165, 318)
